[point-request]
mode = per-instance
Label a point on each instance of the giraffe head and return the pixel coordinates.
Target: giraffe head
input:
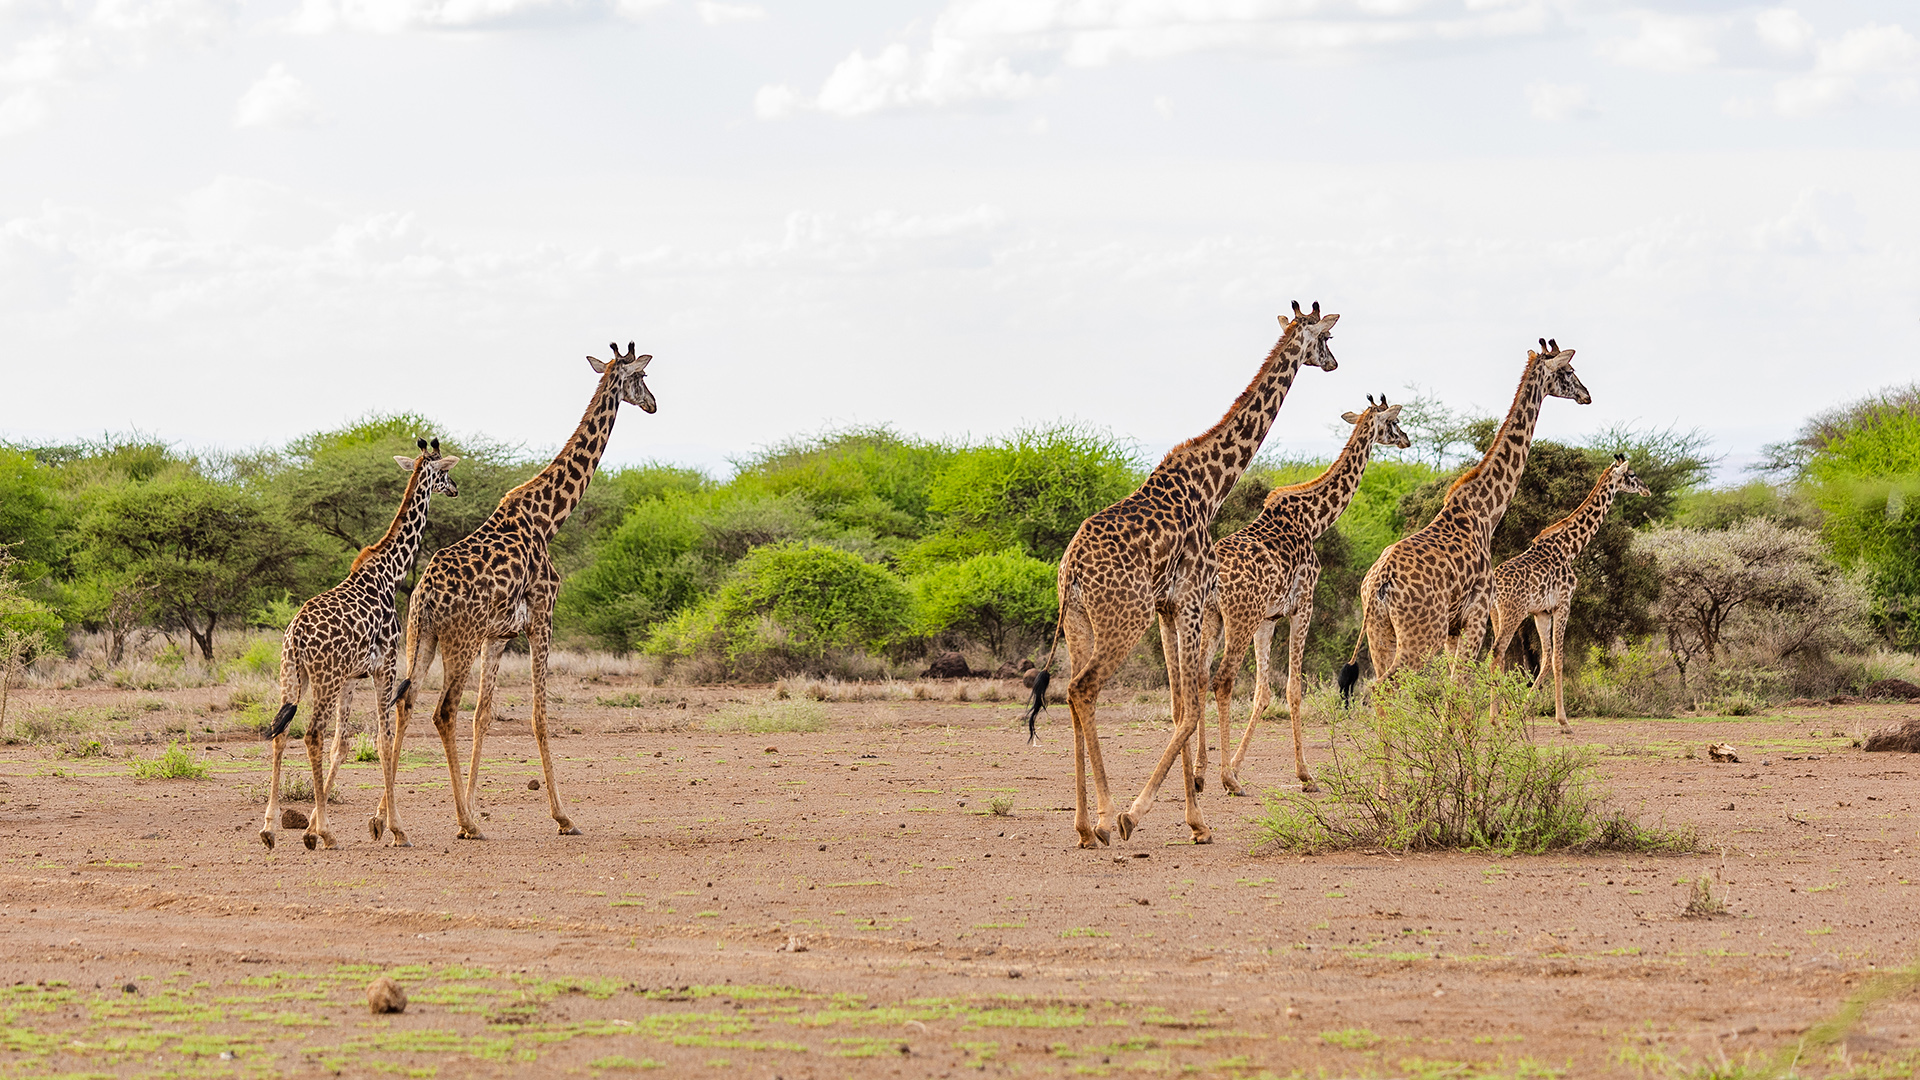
(1625, 479)
(434, 469)
(1385, 419)
(630, 372)
(1312, 330)
(1561, 381)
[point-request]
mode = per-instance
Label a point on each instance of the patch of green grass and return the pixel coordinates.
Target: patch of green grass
(176, 763)
(1083, 932)
(770, 717)
(1351, 1038)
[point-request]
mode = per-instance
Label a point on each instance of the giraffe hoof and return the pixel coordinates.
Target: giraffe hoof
(312, 840)
(471, 834)
(1127, 825)
(1202, 834)
(1229, 785)
(266, 837)
(1103, 836)
(569, 830)
(1199, 783)
(376, 826)
(1307, 786)
(1087, 841)
(399, 840)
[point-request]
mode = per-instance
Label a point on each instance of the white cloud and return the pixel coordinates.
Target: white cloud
(1819, 222)
(21, 111)
(1862, 66)
(775, 102)
(1783, 30)
(1666, 43)
(973, 50)
(713, 13)
(1555, 102)
(402, 16)
(277, 100)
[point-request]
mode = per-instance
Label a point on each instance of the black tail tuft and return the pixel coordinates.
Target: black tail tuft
(1349, 676)
(1039, 704)
(400, 692)
(282, 719)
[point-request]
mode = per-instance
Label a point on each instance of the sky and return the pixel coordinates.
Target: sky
(228, 223)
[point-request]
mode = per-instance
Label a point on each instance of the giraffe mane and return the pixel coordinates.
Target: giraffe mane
(393, 527)
(1286, 336)
(1534, 360)
(1599, 487)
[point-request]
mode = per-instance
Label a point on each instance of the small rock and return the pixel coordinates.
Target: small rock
(1293, 1013)
(1729, 806)
(1015, 973)
(794, 944)
(533, 785)
(385, 996)
(773, 750)
(129, 989)
(292, 819)
(1722, 752)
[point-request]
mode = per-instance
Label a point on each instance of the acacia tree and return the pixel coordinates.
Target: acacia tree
(1772, 585)
(199, 550)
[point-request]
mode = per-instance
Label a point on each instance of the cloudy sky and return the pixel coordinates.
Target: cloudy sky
(228, 222)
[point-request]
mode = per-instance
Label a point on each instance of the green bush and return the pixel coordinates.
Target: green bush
(1867, 481)
(177, 763)
(787, 607)
(261, 658)
(1032, 489)
(1463, 775)
(997, 599)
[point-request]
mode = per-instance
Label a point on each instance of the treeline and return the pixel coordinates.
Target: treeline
(855, 552)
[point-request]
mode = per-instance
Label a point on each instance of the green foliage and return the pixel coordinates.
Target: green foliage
(999, 599)
(199, 549)
(858, 479)
(29, 513)
(786, 607)
(1463, 773)
(770, 717)
(1720, 508)
(1033, 488)
(1867, 482)
(262, 657)
(177, 763)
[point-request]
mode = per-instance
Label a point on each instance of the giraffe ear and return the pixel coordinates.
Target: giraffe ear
(406, 463)
(1350, 417)
(445, 463)
(1326, 321)
(598, 367)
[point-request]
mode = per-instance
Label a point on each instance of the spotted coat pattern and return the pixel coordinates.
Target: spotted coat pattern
(1540, 581)
(351, 632)
(1150, 556)
(498, 582)
(1434, 590)
(1268, 571)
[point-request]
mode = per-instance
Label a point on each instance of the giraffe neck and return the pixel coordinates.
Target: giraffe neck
(389, 559)
(1319, 502)
(1208, 465)
(1483, 493)
(1572, 533)
(546, 501)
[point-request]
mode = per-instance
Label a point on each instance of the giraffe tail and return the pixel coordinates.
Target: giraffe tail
(400, 691)
(282, 720)
(1039, 704)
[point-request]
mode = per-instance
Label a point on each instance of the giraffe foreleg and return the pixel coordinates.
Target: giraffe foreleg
(1238, 637)
(273, 791)
(539, 634)
(1296, 693)
(1212, 633)
(317, 831)
(293, 687)
(1083, 692)
(422, 643)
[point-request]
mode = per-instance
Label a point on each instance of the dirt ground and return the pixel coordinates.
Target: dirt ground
(846, 902)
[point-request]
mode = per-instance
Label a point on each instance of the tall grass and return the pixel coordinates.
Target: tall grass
(1464, 772)
(770, 717)
(176, 763)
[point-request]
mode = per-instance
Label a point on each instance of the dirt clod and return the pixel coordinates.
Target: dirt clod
(292, 819)
(385, 996)
(533, 785)
(1904, 738)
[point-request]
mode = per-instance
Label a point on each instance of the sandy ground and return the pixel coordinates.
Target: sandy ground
(845, 903)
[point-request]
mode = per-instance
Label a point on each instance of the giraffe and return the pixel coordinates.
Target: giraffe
(1540, 581)
(1433, 590)
(1268, 571)
(1149, 556)
(351, 632)
(496, 583)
